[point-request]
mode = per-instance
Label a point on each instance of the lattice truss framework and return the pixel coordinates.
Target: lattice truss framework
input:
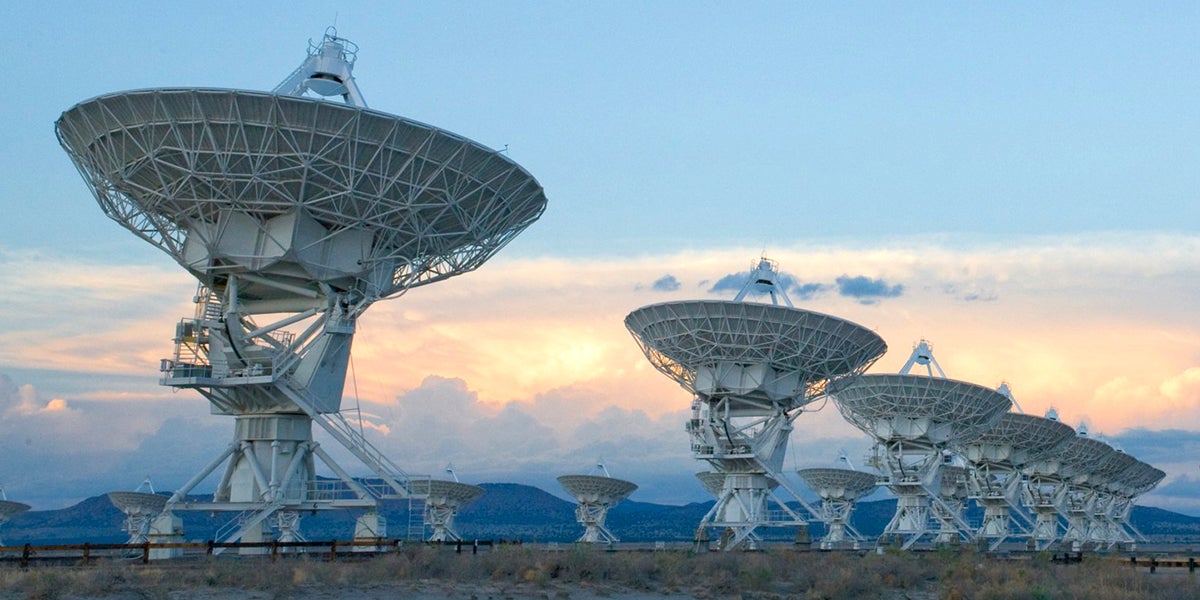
(595, 495)
(680, 337)
(922, 410)
(997, 456)
(953, 490)
(915, 419)
(139, 509)
(443, 501)
(839, 490)
(420, 203)
(1092, 487)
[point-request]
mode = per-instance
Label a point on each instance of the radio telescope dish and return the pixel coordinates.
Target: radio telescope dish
(444, 500)
(10, 509)
(838, 489)
(713, 482)
(758, 352)
(1083, 463)
(998, 456)
(928, 411)
(838, 484)
(955, 483)
(139, 509)
(595, 495)
(752, 368)
(915, 420)
(1109, 487)
(297, 192)
(295, 211)
(953, 490)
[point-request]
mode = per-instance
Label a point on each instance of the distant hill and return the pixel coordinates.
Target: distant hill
(505, 511)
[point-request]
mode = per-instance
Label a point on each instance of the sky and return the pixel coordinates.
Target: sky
(1015, 183)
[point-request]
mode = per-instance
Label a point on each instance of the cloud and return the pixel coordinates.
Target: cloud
(1163, 446)
(513, 369)
(1182, 494)
(867, 290)
(443, 422)
(1163, 402)
(972, 291)
(666, 283)
(59, 452)
(807, 291)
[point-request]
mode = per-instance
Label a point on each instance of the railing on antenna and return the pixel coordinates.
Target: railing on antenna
(416, 519)
(396, 478)
(244, 520)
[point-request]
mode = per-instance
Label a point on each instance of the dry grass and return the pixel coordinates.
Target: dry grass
(580, 572)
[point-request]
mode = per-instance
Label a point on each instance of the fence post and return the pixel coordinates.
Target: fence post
(87, 553)
(208, 548)
(146, 553)
(333, 550)
(25, 555)
(1153, 563)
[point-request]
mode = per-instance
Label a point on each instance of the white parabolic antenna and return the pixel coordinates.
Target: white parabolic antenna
(839, 489)
(10, 509)
(1075, 497)
(914, 420)
(998, 457)
(751, 368)
(838, 484)
(443, 501)
(596, 494)
(713, 482)
(139, 509)
(290, 211)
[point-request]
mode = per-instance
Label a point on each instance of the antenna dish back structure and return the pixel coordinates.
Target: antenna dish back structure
(290, 211)
(595, 495)
(998, 457)
(10, 509)
(953, 491)
(1093, 487)
(713, 482)
(752, 368)
(915, 419)
(839, 489)
(443, 500)
(139, 508)
(1073, 497)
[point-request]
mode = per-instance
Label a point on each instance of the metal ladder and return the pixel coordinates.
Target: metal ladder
(353, 440)
(416, 519)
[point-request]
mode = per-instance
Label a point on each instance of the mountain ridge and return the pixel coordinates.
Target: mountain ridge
(507, 511)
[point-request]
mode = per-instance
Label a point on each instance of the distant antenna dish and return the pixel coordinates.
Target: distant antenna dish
(443, 501)
(998, 457)
(713, 482)
(839, 489)
(140, 509)
(10, 509)
(595, 495)
(915, 419)
(752, 368)
(290, 210)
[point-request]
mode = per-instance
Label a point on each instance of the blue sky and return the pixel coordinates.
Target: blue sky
(1018, 182)
(663, 124)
